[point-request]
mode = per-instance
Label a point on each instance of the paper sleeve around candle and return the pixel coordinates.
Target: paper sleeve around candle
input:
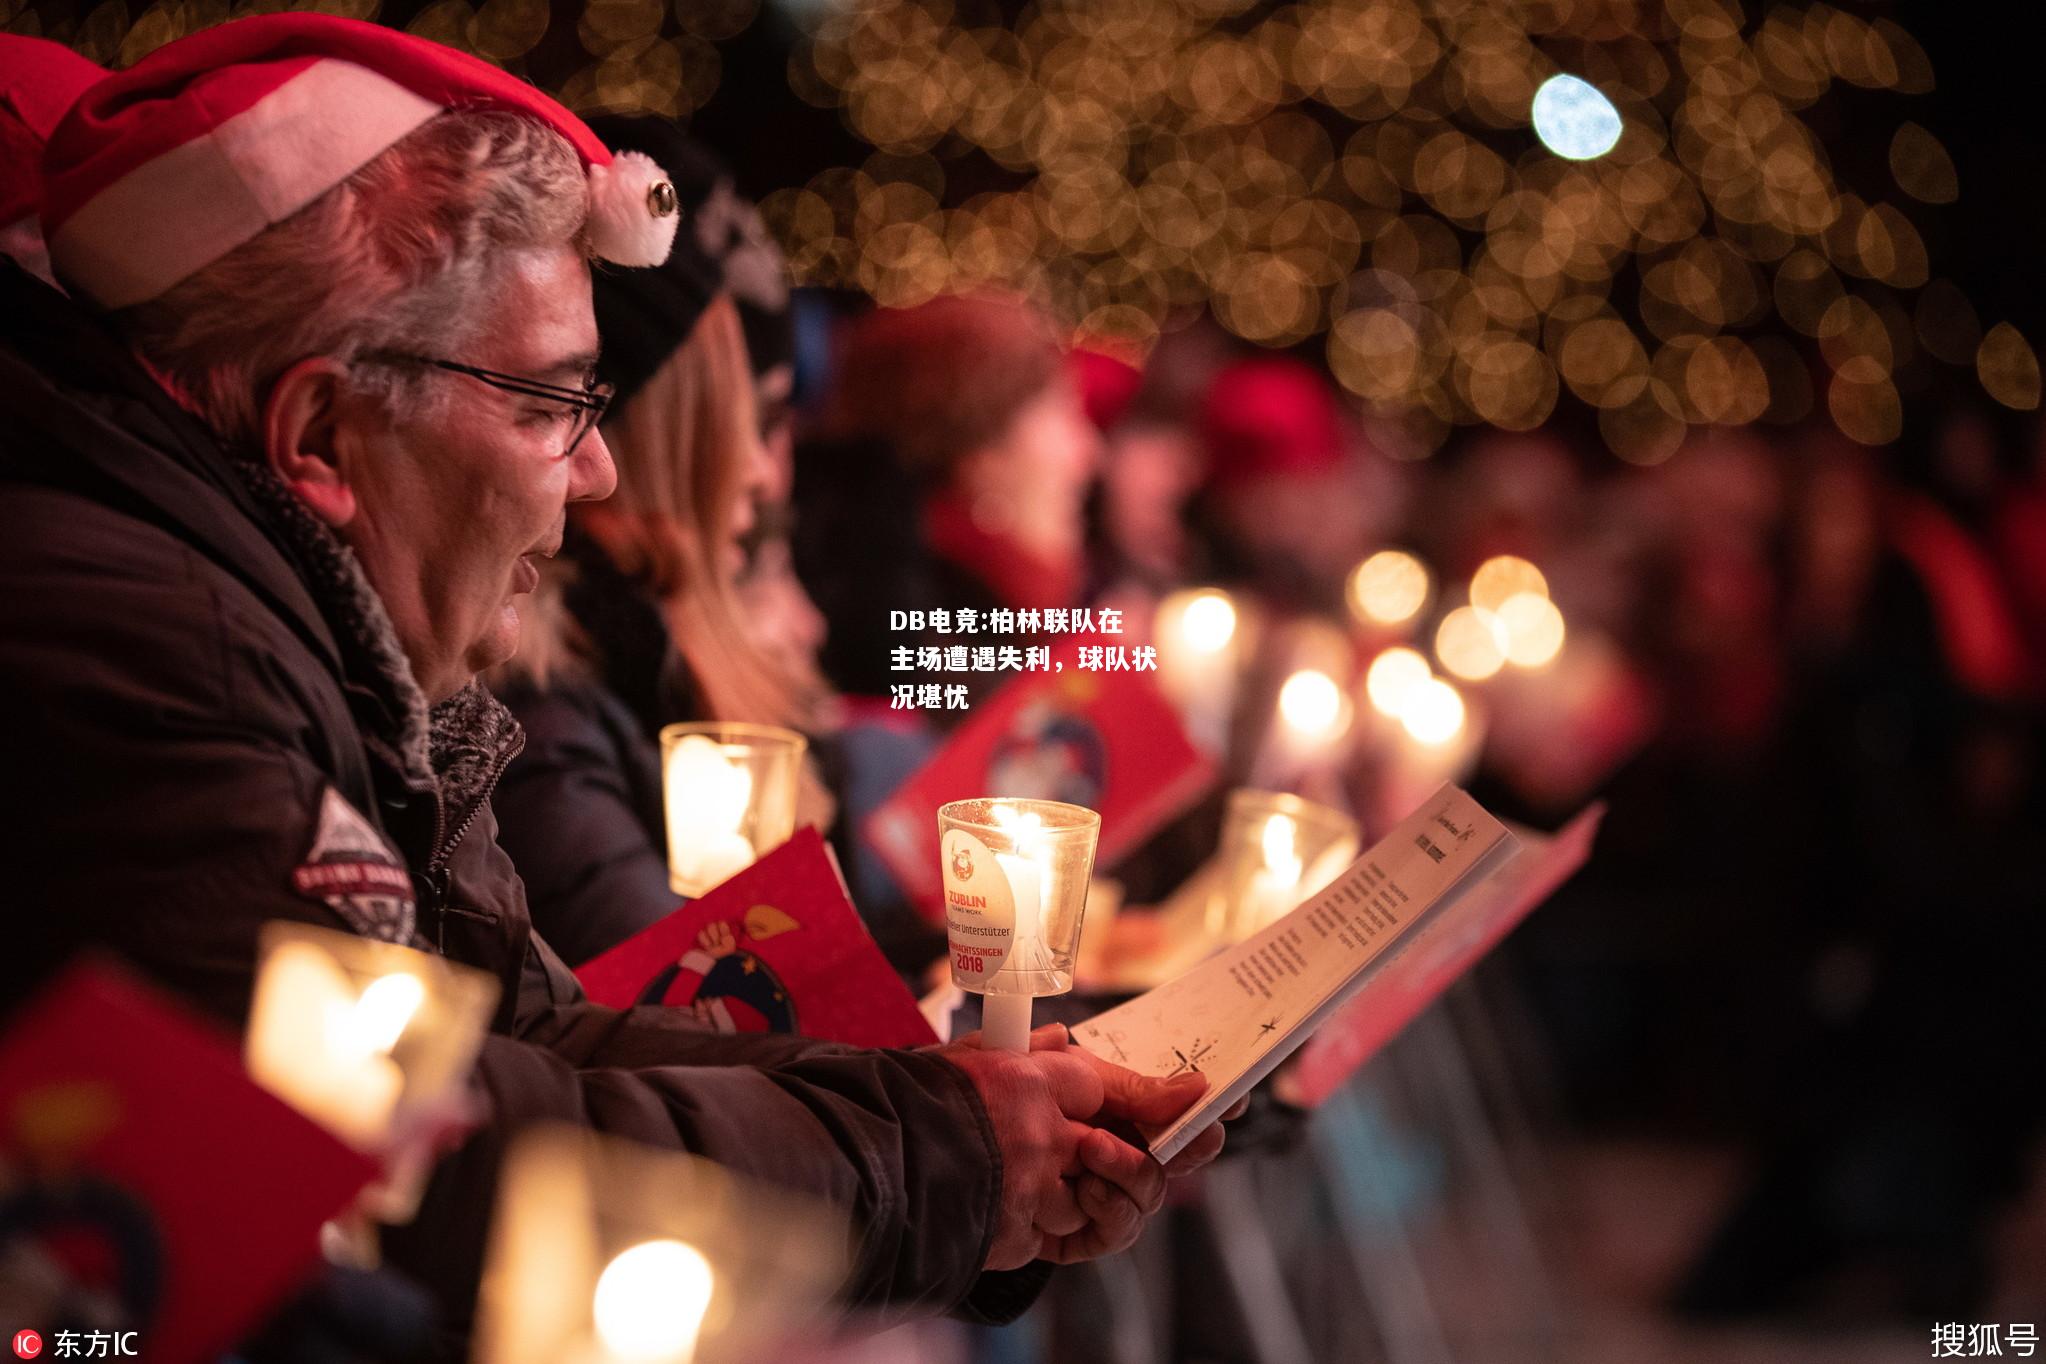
(980, 910)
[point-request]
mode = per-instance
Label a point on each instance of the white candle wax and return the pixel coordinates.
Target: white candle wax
(1026, 884)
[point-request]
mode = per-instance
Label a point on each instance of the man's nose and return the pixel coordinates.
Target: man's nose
(592, 474)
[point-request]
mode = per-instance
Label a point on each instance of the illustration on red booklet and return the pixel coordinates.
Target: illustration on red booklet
(727, 984)
(776, 948)
(1109, 741)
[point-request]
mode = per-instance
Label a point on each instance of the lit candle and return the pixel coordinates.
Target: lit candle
(650, 1303)
(707, 799)
(325, 1049)
(1197, 650)
(1016, 875)
(1274, 888)
(1313, 707)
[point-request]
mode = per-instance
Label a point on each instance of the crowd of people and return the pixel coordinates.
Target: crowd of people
(384, 448)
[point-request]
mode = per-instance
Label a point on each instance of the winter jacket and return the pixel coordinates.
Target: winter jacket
(209, 725)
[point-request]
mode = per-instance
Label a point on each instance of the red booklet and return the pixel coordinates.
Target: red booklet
(777, 948)
(1443, 951)
(142, 1171)
(1110, 741)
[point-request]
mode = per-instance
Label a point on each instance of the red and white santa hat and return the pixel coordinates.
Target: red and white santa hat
(39, 80)
(162, 169)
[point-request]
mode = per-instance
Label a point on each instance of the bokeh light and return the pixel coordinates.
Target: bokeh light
(1532, 627)
(1393, 678)
(1207, 622)
(1574, 120)
(1390, 587)
(1435, 713)
(1471, 643)
(1312, 705)
(1504, 576)
(1471, 236)
(651, 1299)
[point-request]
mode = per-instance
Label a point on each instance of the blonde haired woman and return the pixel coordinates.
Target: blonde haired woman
(640, 623)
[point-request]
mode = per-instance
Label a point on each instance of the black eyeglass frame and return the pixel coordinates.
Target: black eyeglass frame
(590, 402)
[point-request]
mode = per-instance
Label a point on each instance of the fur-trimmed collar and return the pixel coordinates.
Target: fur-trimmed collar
(457, 746)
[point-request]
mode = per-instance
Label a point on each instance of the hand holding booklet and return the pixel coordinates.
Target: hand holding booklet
(1239, 1014)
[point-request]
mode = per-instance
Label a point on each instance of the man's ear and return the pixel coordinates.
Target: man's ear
(303, 437)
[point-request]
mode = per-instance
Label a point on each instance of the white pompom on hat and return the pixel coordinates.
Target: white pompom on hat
(162, 169)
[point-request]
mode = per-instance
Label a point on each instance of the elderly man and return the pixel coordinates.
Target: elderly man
(266, 512)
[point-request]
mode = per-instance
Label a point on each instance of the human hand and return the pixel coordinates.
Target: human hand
(1085, 1191)
(718, 939)
(1037, 1103)
(1121, 1186)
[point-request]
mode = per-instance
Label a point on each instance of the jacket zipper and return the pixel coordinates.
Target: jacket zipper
(438, 880)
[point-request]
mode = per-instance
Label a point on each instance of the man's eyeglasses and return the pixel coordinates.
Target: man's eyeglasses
(589, 402)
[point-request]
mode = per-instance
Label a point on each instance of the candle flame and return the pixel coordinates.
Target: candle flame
(1312, 704)
(379, 1018)
(651, 1300)
(1208, 623)
(1281, 839)
(707, 790)
(1025, 827)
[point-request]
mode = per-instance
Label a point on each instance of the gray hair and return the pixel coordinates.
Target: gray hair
(405, 255)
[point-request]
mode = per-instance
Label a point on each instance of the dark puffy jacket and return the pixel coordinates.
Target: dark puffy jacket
(196, 681)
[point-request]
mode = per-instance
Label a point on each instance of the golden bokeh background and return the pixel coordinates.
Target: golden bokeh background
(1354, 176)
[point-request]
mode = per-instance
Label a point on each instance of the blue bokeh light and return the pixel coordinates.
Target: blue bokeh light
(1574, 120)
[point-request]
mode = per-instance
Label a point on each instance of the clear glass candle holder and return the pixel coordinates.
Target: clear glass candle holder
(603, 1251)
(371, 1040)
(730, 795)
(1276, 850)
(1016, 875)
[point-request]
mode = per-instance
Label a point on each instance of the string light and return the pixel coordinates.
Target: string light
(1636, 234)
(1474, 235)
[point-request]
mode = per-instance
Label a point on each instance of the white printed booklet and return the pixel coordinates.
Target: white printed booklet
(1240, 1013)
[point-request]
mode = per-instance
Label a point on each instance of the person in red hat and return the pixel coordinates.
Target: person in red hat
(1284, 498)
(39, 81)
(268, 506)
